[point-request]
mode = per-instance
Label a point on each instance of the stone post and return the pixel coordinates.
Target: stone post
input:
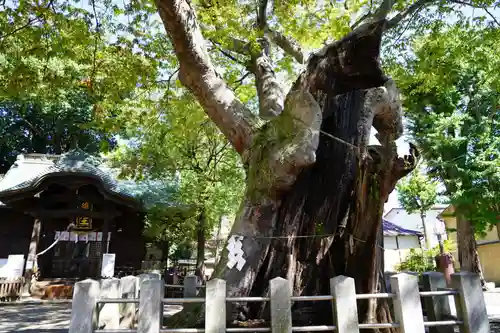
(109, 313)
(83, 319)
(471, 307)
(345, 307)
(129, 286)
(437, 307)
(190, 286)
(215, 306)
(281, 306)
(407, 306)
(150, 307)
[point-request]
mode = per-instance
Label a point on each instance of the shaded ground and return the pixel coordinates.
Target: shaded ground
(54, 317)
(39, 318)
(44, 317)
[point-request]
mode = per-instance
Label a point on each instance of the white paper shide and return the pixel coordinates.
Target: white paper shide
(235, 254)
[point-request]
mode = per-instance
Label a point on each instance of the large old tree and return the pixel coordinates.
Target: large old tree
(315, 187)
(310, 168)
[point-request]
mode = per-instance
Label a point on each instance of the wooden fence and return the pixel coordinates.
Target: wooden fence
(471, 316)
(11, 289)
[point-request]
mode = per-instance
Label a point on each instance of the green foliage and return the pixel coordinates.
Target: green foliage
(175, 224)
(418, 261)
(421, 261)
(451, 93)
(121, 55)
(51, 49)
(417, 193)
(180, 142)
(39, 126)
(62, 81)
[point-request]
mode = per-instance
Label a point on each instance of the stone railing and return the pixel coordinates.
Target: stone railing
(120, 297)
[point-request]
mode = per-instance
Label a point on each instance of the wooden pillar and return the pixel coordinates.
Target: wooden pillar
(31, 259)
(104, 242)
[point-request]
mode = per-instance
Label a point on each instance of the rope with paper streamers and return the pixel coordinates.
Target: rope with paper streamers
(58, 238)
(235, 246)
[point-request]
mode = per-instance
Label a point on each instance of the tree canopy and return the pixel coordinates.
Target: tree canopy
(178, 141)
(49, 127)
(417, 193)
(63, 81)
(452, 98)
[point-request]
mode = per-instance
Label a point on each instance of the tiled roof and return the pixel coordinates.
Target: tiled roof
(390, 229)
(30, 169)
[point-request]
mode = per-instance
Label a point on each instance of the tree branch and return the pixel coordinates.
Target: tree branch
(287, 44)
(262, 14)
(409, 11)
(227, 54)
(270, 93)
(237, 45)
(198, 74)
(464, 3)
(30, 21)
(383, 11)
(239, 82)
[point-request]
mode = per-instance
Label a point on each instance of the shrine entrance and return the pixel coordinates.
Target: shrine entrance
(77, 214)
(72, 258)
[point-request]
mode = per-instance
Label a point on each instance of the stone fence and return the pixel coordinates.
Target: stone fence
(110, 306)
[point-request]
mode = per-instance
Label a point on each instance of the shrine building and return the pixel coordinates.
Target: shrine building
(67, 211)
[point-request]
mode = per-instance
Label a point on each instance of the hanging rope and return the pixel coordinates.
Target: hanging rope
(68, 228)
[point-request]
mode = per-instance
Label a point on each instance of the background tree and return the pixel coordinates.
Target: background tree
(37, 126)
(183, 143)
(418, 193)
(62, 82)
(452, 98)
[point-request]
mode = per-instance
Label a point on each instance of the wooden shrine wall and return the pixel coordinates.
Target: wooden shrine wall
(15, 232)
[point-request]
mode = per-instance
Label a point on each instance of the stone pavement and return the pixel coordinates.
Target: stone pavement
(32, 316)
(53, 317)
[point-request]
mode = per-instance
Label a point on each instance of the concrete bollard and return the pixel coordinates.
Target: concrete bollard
(129, 288)
(85, 295)
(109, 313)
(190, 286)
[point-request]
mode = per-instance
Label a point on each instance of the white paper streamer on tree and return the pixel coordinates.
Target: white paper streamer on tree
(235, 254)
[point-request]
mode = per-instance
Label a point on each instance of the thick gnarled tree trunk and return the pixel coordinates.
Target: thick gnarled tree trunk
(315, 188)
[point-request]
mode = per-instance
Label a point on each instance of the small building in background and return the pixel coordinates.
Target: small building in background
(401, 218)
(398, 242)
